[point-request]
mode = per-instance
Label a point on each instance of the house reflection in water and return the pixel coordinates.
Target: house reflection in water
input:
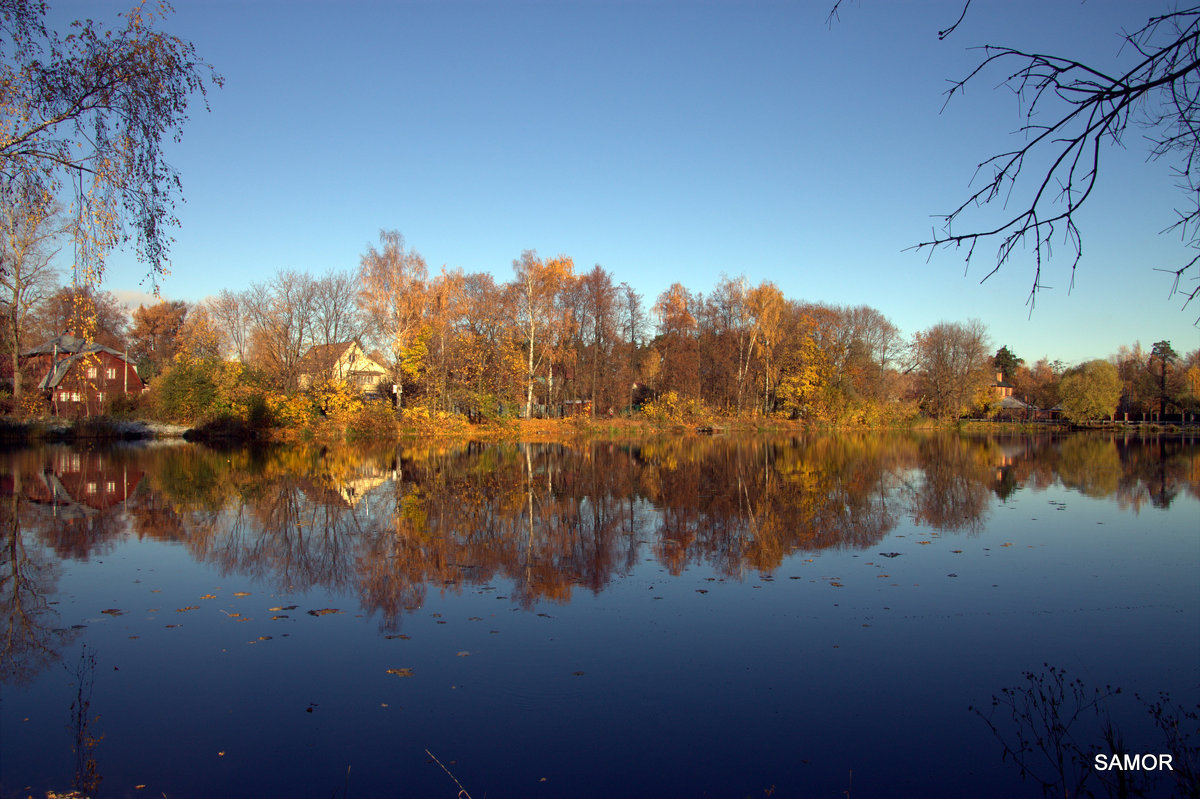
(77, 484)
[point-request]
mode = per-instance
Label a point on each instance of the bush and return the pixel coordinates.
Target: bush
(372, 421)
(670, 408)
(124, 406)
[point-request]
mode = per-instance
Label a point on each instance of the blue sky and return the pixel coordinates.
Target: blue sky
(666, 141)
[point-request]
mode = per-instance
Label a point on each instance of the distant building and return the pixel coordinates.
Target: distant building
(346, 363)
(79, 378)
(1001, 387)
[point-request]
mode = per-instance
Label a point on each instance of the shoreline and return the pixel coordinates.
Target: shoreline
(524, 430)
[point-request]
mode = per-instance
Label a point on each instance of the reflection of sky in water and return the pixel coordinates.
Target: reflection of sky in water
(836, 660)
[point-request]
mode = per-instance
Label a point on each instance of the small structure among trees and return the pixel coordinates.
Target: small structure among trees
(344, 363)
(81, 378)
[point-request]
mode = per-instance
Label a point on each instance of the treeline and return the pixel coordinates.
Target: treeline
(555, 340)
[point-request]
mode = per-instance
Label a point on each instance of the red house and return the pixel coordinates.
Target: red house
(79, 377)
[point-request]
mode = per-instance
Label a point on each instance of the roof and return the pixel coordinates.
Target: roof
(323, 357)
(72, 345)
(1014, 404)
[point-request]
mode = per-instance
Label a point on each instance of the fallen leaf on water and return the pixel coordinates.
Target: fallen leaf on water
(209, 596)
(323, 612)
(577, 674)
(1009, 544)
(401, 636)
(189, 607)
(891, 554)
(169, 626)
(112, 612)
(464, 654)
(956, 551)
(924, 542)
(701, 590)
(283, 607)
(276, 618)
(404, 672)
(835, 583)
(241, 593)
(475, 618)
(544, 615)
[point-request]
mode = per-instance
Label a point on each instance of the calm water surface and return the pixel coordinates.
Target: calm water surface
(714, 617)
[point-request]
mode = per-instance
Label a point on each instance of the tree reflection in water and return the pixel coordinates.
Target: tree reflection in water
(391, 524)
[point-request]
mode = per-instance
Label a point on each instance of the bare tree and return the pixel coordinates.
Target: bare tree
(335, 303)
(282, 314)
(30, 229)
(1071, 113)
(954, 368)
(230, 315)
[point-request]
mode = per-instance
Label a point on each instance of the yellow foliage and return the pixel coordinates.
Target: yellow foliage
(669, 407)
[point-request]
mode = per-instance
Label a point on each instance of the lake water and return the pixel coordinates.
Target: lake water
(708, 617)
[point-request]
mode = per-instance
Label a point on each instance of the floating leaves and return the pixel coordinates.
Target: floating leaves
(112, 611)
(189, 607)
(403, 672)
(323, 611)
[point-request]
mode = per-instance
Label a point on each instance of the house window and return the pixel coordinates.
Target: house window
(99, 396)
(91, 488)
(63, 396)
(111, 486)
(92, 372)
(111, 373)
(74, 396)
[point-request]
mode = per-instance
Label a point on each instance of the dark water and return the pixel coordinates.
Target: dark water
(795, 617)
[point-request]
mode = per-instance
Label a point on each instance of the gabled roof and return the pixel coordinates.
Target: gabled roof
(324, 357)
(72, 345)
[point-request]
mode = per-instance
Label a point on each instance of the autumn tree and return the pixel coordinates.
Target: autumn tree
(392, 294)
(486, 361)
(536, 286)
(153, 339)
(83, 312)
(30, 229)
(597, 301)
(677, 343)
(1090, 391)
(199, 337)
(89, 113)
(1038, 385)
(954, 368)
